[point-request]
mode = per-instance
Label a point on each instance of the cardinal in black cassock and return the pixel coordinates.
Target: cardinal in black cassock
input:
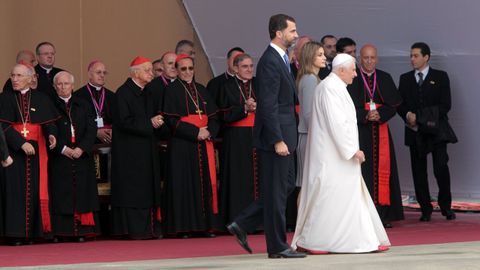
(135, 198)
(191, 191)
(27, 118)
(239, 164)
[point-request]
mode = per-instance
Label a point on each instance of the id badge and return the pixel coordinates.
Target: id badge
(99, 121)
(373, 106)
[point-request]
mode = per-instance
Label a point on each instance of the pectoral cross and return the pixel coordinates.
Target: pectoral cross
(25, 132)
(199, 113)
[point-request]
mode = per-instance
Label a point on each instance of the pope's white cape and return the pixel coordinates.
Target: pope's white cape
(336, 212)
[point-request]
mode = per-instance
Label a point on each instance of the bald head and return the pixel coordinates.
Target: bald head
(96, 73)
(368, 58)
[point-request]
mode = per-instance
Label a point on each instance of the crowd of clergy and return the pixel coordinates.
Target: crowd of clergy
(180, 160)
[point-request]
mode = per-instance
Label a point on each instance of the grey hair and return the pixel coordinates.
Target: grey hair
(29, 70)
(72, 79)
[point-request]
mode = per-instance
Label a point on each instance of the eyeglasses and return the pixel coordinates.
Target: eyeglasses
(185, 68)
(100, 72)
(47, 53)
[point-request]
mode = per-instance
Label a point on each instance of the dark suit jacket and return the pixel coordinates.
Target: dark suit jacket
(434, 92)
(275, 116)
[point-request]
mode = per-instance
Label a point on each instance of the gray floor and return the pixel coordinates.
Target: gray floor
(441, 256)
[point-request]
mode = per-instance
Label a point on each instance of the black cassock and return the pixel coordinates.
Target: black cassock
(73, 187)
(190, 195)
(45, 81)
(135, 172)
(239, 185)
(387, 98)
(21, 181)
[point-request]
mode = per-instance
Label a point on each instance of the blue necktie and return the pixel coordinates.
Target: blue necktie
(285, 58)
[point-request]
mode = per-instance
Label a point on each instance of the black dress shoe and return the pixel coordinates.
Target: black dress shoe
(287, 254)
(449, 214)
(426, 217)
(387, 225)
(15, 242)
(240, 234)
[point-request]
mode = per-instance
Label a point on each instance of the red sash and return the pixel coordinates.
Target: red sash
(383, 161)
(194, 119)
(86, 219)
(248, 121)
(297, 109)
(34, 133)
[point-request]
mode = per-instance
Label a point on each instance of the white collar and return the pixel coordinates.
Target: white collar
(278, 49)
(24, 91)
(424, 71)
(141, 87)
(244, 81)
(337, 78)
(230, 74)
(46, 69)
(98, 88)
(66, 99)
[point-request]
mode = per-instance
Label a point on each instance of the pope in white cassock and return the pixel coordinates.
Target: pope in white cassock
(336, 212)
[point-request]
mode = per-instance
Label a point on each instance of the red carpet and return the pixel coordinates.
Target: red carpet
(407, 232)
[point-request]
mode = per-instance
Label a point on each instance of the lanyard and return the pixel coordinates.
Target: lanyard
(371, 92)
(98, 107)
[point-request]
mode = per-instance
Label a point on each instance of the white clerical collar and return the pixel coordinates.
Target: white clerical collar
(368, 73)
(230, 74)
(98, 88)
(23, 92)
(172, 80)
(66, 99)
(46, 69)
(141, 87)
(424, 71)
(278, 49)
(244, 81)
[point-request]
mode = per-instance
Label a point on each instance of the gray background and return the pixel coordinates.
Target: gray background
(449, 27)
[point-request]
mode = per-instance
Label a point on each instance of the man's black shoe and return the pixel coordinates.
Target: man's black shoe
(240, 234)
(449, 214)
(426, 217)
(287, 254)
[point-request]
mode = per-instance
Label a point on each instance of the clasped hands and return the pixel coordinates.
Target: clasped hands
(157, 121)
(250, 105)
(373, 116)
(74, 153)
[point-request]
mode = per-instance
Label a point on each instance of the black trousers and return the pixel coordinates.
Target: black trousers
(277, 181)
(442, 175)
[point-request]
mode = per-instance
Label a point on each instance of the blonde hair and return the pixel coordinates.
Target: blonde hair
(307, 57)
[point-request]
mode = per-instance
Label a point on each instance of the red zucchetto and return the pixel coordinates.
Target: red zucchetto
(139, 60)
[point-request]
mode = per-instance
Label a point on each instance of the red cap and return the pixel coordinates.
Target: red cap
(139, 60)
(25, 63)
(183, 56)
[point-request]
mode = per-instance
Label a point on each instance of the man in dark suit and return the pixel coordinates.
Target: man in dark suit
(275, 137)
(426, 95)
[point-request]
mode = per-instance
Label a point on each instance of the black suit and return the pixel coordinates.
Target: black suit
(433, 93)
(45, 81)
(275, 121)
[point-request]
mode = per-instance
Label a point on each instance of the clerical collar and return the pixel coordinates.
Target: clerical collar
(46, 69)
(67, 99)
(244, 81)
(229, 74)
(424, 71)
(23, 92)
(367, 73)
(98, 88)
(141, 87)
(278, 49)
